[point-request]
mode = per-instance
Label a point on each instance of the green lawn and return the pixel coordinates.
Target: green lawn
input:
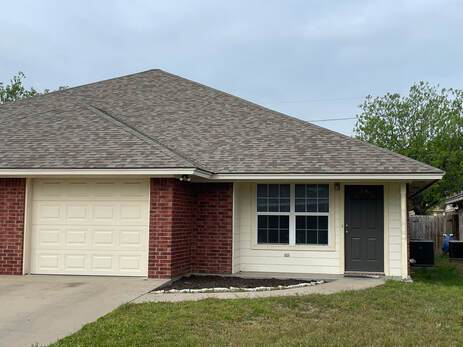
(428, 312)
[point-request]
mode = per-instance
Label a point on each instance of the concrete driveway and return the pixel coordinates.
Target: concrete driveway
(42, 309)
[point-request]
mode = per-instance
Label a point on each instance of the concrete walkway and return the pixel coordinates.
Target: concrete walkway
(339, 285)
(41, 309)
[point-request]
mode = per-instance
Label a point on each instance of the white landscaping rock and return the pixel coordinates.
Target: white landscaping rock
(236, 289)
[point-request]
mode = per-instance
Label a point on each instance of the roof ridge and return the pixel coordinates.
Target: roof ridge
(142, 136)
(301, 121)
(60, 91)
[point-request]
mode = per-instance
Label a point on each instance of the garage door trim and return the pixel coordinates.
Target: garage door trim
(63, 226)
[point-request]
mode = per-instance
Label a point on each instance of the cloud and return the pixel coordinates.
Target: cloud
(266, 51)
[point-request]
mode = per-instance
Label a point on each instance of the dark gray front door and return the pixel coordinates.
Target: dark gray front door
(364, 228)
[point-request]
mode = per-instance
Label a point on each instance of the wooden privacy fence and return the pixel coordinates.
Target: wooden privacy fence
(432, 228)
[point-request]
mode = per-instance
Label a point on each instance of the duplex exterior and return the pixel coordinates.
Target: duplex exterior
(155, 175)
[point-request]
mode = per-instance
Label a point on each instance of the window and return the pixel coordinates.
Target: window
(312, 212)
(293, 214)
(273, 211)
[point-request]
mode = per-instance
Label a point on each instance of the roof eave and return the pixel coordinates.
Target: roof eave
(158, 172)
(331, 176)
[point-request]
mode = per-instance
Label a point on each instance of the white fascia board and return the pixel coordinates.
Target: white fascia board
(102, 172)
(454, 199)
(330, 177)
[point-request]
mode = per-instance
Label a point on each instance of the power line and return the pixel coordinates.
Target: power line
(330, 119)
(316, 100)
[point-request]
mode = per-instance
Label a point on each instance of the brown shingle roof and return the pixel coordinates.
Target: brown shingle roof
(155, 119)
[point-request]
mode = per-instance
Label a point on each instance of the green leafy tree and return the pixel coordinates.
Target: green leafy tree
(426, 125)
(16, 90)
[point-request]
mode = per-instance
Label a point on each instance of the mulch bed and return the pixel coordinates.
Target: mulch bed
(201, 282)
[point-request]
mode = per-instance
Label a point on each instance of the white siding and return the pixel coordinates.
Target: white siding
(236, 235)
(395, 237)
(248, 256)
(272, 258)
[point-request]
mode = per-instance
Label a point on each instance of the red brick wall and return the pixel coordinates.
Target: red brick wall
(12, 206)
(190, 228)
(212, 235)
(182, 223)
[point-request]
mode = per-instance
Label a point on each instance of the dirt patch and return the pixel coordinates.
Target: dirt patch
(201, 282)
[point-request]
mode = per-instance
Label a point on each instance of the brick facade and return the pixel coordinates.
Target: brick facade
(190, 228)
(12, 208)
(212, 237)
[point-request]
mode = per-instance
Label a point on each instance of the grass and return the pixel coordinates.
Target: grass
(428, 312)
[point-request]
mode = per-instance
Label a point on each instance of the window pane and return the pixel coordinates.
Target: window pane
(323, 222)
(284, 222)
(284, 190)
(300, 205)
(273, 190)
(311, 205)
(262, 190)
(300, 236)
(262, 236)
(300, 222)
(273, 236)
(273, 205)
(273, 222)
(300, 190)
(323, 237)
(284, 236)
(323, 205)
(312, 191)
(323, 190)
(312, 222)
(284, 205)
(312, 236)
(273, 229)
(262, 205)
(262, 222)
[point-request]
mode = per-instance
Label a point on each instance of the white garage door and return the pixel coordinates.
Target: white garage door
(90, 227)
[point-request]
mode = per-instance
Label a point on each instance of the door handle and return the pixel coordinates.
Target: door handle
(347, 228)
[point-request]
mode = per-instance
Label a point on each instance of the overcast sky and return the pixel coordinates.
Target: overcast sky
(310, 59)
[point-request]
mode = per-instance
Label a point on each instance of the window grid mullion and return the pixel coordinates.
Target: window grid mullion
(292, 217)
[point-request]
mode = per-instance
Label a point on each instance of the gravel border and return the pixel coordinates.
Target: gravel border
(237, 289)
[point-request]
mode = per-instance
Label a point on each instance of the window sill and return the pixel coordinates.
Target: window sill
(270, 247)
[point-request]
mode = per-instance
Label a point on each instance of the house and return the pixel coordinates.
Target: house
(454, 204)
(155, 175)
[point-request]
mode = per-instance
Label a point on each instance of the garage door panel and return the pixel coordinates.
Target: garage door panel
(131, 238)
(129, 263)
(90, 226)
(48, 190)
(47, 262)
(133, 214)
(77, 237)
(105, 213)
(105, 190)
(48, 236)
(133, 190)
(49, 212)
(78, 213)
(104, 237)
(103, 263)
(75, 262)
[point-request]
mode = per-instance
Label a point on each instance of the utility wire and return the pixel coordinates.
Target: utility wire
(304, 101)
(330, 119)
(316, 100)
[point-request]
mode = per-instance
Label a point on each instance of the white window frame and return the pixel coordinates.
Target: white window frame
(292, 220)
(291, 193)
